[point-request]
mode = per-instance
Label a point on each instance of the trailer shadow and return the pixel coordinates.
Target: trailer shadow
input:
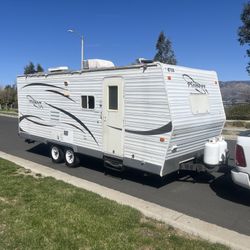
(40, 149)
(94, 164)
(226, 189)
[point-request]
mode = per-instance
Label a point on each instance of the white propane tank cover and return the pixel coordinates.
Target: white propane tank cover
(222, 148)
(211, 152)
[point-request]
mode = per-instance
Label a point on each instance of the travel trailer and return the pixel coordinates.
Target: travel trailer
(154, 117)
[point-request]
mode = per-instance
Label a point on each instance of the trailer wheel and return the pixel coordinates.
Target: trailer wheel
(71, 158)
(56, 154)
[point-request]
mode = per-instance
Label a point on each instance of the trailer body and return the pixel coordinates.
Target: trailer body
(150, 117)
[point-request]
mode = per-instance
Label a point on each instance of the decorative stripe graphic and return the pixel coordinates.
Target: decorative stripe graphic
(38, 123)
(28, 116)
(70, 124)
(115, 128)
(59, 93)
(162, 130)
(75, 118)
(42, 84)
(21, 130)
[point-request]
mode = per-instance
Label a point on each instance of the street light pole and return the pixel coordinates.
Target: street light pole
(82, 45)
(82, 51)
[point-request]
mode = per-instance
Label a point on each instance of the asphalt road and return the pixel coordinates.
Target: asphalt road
(209, 197)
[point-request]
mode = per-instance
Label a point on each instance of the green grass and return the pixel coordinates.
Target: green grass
(42, 213)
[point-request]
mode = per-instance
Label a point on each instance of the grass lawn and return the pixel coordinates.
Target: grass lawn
(42, 213)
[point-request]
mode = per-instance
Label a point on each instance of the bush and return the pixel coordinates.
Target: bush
(238, 112)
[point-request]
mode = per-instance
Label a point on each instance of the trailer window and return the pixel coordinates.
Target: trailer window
(88, 102)
(113, 97)
(84, 102)
(91, 102)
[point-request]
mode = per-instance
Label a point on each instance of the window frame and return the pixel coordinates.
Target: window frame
(87, 108)
(118, 102)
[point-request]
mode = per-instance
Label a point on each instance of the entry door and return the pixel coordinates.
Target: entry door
(113, 110)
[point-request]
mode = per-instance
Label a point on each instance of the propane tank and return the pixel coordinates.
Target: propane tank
(211, 152)
(222, 149)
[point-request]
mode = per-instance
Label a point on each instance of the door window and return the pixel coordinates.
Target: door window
(113, 97)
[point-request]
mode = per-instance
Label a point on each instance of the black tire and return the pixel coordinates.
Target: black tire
(71, 158)
(56, 154)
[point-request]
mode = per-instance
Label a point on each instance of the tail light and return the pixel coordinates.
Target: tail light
(240, 159)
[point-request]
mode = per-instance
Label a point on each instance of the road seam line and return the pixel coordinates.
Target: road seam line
(185, 223)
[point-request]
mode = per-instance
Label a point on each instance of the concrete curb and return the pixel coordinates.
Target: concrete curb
(9, 115)
(188, 224)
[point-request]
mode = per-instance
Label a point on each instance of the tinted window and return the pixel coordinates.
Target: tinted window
(84, 102)
(91, 102)
(88, 102)
(113, 97)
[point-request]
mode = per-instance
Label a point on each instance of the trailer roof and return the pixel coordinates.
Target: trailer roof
(142, 65)
(146, 65)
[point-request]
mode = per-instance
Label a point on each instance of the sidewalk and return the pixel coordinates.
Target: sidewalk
(13, 115)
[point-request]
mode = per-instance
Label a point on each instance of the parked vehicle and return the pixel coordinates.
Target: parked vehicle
(153, 117)
(241, 173)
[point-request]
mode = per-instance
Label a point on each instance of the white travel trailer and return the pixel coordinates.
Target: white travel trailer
(151, 116)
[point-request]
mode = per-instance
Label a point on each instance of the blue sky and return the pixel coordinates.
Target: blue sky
(203, 33)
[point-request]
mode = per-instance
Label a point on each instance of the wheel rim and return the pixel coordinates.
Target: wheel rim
(55, 153)
(70, 157)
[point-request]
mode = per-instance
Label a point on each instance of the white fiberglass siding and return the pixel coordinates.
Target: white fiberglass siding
(58, 121)
(191, 130)
(145, 109)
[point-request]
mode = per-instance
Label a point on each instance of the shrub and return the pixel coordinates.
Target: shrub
(238, 112)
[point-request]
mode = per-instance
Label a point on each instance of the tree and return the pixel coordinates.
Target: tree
(165, 53)
(29, 69)
(8, 96)
(39, 68)
(244, 30)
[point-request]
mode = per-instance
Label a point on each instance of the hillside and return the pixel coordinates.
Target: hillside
(235, 91)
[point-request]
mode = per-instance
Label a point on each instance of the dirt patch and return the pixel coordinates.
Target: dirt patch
(2, 228)
(7, 201)
(23, 171)
(161, 226)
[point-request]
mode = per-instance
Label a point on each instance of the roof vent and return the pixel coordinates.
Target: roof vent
(58, 69)
(143, 60)
(97, 64)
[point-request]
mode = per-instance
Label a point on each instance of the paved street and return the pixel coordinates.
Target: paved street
(212, 198)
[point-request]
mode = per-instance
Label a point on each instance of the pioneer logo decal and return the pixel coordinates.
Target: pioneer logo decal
(200, 88)
(34, 102)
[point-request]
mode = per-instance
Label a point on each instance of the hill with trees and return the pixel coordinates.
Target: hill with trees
(234, 92)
